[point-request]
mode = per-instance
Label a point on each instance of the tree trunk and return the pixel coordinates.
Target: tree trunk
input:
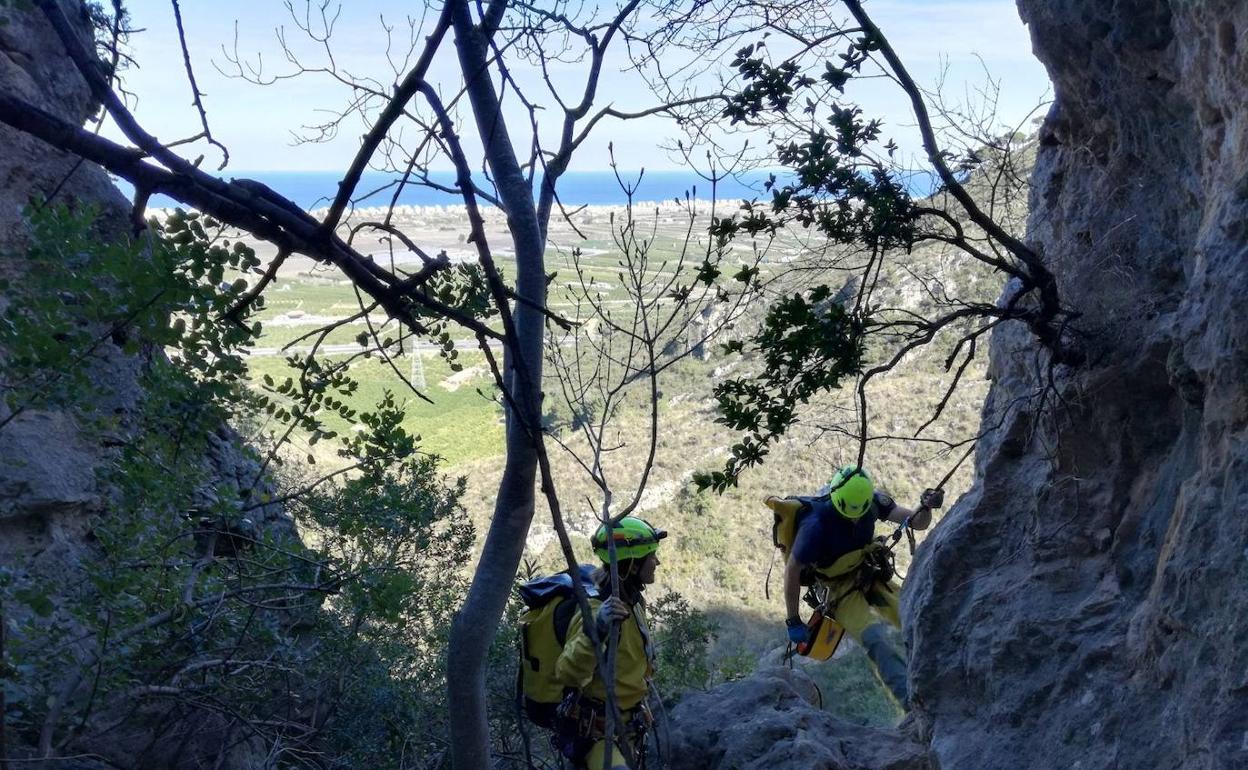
(476, 624)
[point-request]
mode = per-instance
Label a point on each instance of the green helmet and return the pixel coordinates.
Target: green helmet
(634, 539)
(851, 491)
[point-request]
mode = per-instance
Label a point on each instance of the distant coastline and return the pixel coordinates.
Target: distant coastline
(312, 190)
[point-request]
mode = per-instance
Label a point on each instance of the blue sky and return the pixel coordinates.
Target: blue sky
(961, 38)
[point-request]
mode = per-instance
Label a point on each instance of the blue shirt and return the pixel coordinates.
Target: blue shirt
(824, 535)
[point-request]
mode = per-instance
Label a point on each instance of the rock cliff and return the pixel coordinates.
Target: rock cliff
(46, 467)
(34, 67)
(51, 495)
(1085, 605)
(47, 464)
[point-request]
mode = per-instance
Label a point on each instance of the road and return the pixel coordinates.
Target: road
(469, 343)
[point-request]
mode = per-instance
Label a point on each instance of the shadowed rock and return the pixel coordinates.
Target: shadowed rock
(1086, 603)
(771, 720)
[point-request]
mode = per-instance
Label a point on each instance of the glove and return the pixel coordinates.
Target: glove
(797, 630)
(611, 610)
(932, 498)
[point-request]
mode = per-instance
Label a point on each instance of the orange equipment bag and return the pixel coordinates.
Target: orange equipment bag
(823, 636)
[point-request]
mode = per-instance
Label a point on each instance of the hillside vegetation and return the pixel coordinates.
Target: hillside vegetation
(720, 556)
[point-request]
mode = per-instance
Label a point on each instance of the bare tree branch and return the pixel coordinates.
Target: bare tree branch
(196, 94)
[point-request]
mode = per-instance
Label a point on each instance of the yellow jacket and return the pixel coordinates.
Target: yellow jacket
(578, 664)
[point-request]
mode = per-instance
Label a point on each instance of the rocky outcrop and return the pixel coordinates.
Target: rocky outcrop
(772, 721)
(1086, 603)
(51, 495)
(33, 66)
(48, 481)
(47, 468)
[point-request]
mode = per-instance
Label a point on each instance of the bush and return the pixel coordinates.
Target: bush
(682, 636)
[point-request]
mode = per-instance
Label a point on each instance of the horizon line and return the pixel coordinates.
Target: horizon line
(452, 171)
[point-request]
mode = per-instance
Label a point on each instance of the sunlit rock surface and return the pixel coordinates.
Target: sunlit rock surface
(34, 68)
(47, 478)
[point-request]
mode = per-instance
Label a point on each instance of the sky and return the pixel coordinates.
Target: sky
(956, 42)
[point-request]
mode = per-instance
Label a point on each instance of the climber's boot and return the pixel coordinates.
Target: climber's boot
(889, 664)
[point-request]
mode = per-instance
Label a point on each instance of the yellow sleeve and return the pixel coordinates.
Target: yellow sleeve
(576, 664)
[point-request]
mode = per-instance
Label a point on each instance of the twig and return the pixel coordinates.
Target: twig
(385, 355)
(240, 203)
(406, 91)
(953, 384)
(1039, 276)
(196, 94)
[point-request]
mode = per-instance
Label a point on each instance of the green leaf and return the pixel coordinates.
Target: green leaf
(38, 601)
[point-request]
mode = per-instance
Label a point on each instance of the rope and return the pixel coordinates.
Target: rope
(662, 734)
(904, 527)
(767, 580)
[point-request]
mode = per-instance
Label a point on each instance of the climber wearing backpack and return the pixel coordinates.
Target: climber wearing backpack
(563, 687)
(830, 539)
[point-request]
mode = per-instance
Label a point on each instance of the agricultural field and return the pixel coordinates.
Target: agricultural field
(310, 305)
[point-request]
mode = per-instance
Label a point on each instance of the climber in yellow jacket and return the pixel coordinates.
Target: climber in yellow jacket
(582, 734)
(833, 540)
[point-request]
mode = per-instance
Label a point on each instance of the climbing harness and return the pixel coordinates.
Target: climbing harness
(877, 567)
(582, 722)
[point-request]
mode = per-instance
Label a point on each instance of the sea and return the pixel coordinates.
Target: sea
(311, 190)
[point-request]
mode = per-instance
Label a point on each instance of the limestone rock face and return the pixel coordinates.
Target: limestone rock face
(47, 469)
(772, 721)
(33, 66)
(1086, 603)
(50, 493)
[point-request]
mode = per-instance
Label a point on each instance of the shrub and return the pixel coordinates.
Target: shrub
(682, 636)
(198, 622)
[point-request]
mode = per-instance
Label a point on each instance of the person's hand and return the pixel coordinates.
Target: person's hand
(613, 609)
(932, 498)
(797, 630)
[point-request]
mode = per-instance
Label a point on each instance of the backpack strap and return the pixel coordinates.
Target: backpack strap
(566, 609)
(563, 619)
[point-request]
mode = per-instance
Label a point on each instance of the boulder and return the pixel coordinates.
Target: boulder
(771, 721)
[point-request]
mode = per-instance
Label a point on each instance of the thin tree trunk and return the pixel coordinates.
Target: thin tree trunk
(476, 623)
